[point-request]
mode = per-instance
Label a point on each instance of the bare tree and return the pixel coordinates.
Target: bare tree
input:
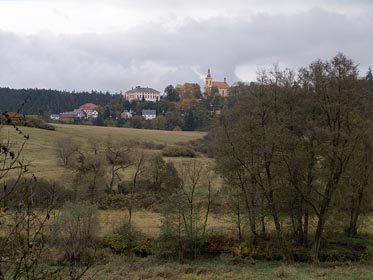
(67, 150)
(118, 156)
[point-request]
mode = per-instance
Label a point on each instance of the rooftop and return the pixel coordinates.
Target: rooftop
(143, 90)
(88, 106)
(220, 85)
(149, 112)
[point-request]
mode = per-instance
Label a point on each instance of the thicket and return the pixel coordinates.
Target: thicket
(17, 119)
(295, 153)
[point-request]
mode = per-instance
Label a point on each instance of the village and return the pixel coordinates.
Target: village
(90, 111)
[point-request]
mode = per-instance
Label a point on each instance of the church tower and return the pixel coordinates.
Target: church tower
(208, 84)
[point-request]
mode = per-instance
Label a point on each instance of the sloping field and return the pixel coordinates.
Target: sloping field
(41, 150)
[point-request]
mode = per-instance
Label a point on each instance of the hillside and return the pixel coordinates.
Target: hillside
(41, 149)
(46, 101)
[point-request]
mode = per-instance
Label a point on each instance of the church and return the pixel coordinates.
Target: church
(223, 87)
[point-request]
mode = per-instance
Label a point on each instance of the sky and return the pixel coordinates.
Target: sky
(116, 45)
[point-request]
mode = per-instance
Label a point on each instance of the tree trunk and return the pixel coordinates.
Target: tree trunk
(319, 229)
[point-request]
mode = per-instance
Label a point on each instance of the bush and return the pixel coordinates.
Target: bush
(23, 120)
(216, 244)
(178, 152)
(347, 249)
(44, 192)
(74, 233)
(112, 201)
(128, 240)
(170, 246)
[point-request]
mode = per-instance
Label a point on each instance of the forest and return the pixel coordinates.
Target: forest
(44, 102)
(284, 174)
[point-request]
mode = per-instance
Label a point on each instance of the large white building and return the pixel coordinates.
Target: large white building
(140, 93)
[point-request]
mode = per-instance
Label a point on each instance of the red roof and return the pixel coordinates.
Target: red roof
(220, 85)
(88, 106)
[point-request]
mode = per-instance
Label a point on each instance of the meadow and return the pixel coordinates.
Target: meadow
(41, 148)
(41, 151)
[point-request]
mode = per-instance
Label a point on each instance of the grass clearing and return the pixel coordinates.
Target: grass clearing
(223, 268)
(41, 150)
(148, 222)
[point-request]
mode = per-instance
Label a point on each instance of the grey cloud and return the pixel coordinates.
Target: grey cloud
(153, 55)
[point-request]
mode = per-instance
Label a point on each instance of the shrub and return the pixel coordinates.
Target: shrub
(23, 120)
(44, 192)
(128, 240)
(178, 152)
(112, 201)
(74, 234)
(347, 249)
(216, 244)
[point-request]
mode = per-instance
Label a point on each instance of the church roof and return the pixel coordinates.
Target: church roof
(220, 85)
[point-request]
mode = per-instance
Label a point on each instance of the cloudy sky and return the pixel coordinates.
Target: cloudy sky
(117, 44)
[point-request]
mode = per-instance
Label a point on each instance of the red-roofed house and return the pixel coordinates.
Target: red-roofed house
(223, 87)
(90, 110)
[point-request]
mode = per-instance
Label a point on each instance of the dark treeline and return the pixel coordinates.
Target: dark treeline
(47, 101)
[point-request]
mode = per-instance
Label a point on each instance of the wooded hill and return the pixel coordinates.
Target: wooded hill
(47, 101)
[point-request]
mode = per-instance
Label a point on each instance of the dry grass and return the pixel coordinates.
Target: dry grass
(147, 222)
(284, 271)
(41, 150)
(150, 268)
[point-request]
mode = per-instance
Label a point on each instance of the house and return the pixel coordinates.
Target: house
(54, 117)
(70, 116)
(140, 93)
(223, 87)
(149, 114)
(89, 110)
(126, 114)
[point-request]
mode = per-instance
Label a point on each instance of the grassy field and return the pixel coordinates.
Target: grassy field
(149, 222)
(223, 269)
(41, 150)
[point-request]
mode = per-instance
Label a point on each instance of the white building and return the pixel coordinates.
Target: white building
(89, 110)
(140, 93)
(149, 114)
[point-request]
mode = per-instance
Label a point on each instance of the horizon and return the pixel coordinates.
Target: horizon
(116, 45)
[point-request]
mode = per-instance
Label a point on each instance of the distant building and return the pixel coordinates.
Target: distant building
(55, 117)
(86, 111)
(223, 87)
(89, 110)
(70, 116)
(126, 114)
(140, 93)
(149, 114)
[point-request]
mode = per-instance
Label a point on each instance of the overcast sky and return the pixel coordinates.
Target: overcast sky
(118, 44)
